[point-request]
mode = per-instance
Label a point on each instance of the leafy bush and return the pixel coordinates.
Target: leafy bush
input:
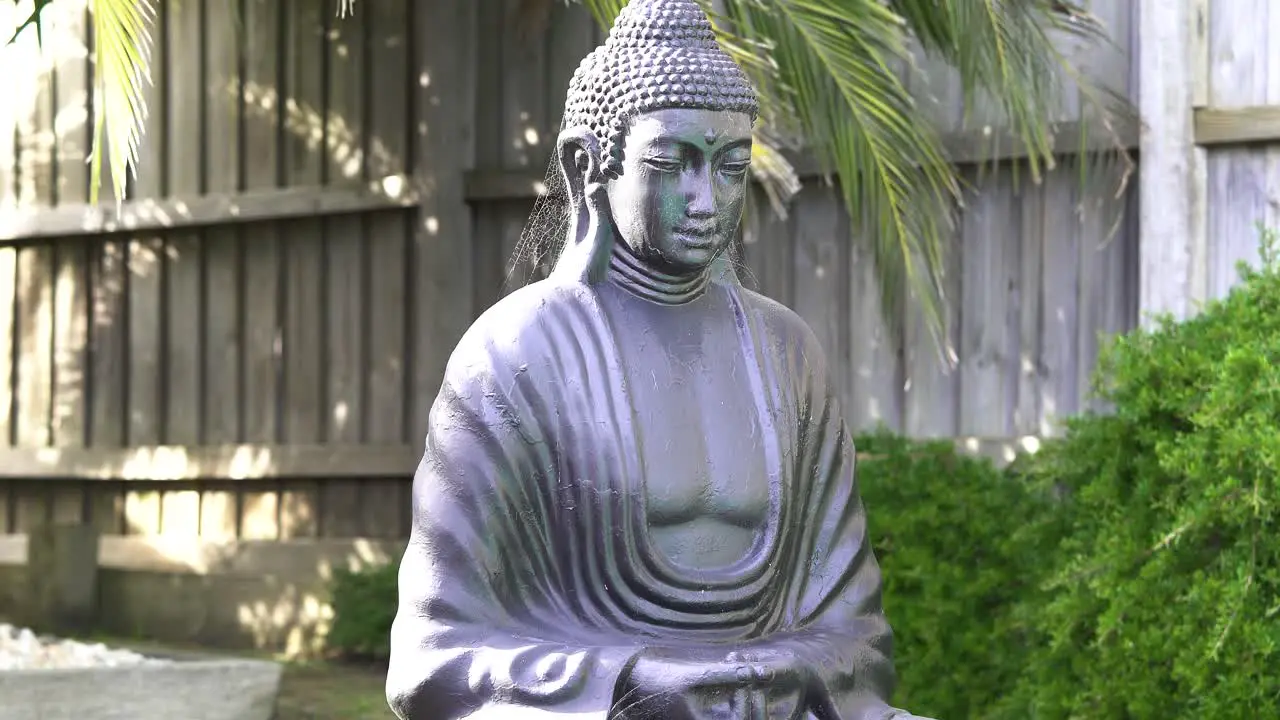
(364, 604)
(959, 544)
(1166, 600)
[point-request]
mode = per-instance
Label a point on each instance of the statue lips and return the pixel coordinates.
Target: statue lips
(702, 236)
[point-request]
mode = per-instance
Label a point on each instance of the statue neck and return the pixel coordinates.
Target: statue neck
(641, 279)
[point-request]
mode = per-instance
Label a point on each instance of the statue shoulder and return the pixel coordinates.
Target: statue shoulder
(513, 331)
(784, 325)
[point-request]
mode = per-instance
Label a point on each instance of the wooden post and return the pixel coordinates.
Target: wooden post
(1173, 81)
(444, 36)
(62, 578)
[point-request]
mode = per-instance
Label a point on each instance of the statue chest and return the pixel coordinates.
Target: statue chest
(706, 482)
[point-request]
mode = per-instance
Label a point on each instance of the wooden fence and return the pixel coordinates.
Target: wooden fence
(1211, 100)
(238, 361)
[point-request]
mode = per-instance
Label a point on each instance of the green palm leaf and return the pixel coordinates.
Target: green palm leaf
(122, 39)
(122, 36)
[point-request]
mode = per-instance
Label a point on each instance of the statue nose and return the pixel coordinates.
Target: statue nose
(702, 202)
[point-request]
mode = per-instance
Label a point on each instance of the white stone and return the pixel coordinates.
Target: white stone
(22, 649)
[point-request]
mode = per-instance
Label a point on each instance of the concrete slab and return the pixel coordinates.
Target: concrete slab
(191, 687)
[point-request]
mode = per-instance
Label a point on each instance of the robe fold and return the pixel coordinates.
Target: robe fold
(530, 586)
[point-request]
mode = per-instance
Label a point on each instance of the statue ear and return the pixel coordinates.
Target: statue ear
(578, 151)
(590, 237)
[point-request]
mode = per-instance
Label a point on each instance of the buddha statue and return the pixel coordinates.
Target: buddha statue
(637, 498)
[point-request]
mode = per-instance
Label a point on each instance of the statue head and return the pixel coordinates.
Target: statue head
(655, 145)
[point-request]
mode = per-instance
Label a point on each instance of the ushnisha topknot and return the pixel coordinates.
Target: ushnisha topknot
(660, 54)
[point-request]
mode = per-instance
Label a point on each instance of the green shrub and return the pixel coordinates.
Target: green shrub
(1166, 599)
(364, 604)
(959, 543)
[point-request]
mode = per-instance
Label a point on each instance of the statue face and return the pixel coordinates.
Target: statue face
(679, 198)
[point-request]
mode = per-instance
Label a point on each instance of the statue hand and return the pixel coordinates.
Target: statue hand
(665, 684)
(780, 682)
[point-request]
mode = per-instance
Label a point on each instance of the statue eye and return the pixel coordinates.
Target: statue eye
(664, 164)
(735, 167)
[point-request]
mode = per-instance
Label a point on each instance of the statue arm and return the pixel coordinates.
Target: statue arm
(467, 641)
(840, 633)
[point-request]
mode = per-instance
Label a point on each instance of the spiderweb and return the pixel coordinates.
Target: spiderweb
(543, 237)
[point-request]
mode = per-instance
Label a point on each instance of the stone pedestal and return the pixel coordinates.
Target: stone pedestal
(200, 689)
(61, 578)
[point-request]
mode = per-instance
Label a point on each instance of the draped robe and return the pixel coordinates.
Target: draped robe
(530, 583)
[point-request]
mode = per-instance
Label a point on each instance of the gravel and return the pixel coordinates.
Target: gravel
(22, 649)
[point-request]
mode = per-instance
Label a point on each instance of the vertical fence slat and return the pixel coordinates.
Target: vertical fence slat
(1238, 198)
(346, 244)
(143, 287)
(32, 505)
(1027, 413)
(931, 396)
(265, 106)
(13, 86)
(224, 292)
(153, 167)
(1271, 96)
(70, 357)
(71, 290)
(109, 342)
(931, 392)
(304, 244)
(389, 95)
(183, 316)
(770, 258)
(447, 135)
(524, 136)
(304, 251)
(490, 263)
(142, 509)
(821, 280)
(988, 343)
(8, 340)
(1103, 299)
(1060, 243)
(389, 84)
(875, 376)
(345, 133)
(35, 345)
(69, 52)
(37, 148)
(146, 381)
(262, 133)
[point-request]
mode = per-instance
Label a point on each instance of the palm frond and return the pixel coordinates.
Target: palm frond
(122, 36)
(837, 69)
(33, 19)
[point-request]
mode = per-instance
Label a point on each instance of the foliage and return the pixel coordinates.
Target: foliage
(955, 568)
(1165, 600)
(364, 605)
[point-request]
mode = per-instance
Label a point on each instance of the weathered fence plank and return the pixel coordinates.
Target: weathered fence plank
(34, 326)
(8, 303)
(70, 309)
